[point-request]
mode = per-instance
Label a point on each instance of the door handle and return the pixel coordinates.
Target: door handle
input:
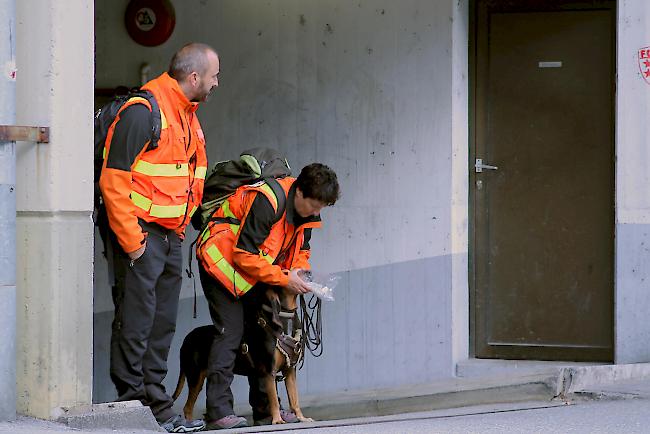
(479, 166)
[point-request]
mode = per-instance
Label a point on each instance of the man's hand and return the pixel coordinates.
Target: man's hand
(135, 255)
(296, 285)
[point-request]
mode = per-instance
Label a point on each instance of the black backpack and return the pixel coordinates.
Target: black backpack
(254, 165)
(104, 118)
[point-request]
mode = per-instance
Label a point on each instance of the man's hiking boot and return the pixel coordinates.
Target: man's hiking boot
(179, 424)
(286, 415)
(226, 422)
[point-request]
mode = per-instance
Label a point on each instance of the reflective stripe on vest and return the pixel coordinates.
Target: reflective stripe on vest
(200, 171)
(140, 201)
(237, 280)
(225, 206)
(271, 195)
(206, 234)
(233, 276)
(165, 169)
(268, 258)
(163, 120)
(168, 211)
(162, 211)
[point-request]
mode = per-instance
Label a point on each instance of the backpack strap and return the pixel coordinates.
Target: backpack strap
(156, 122)
(280, 195)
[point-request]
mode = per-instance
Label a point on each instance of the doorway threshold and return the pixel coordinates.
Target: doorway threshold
(476, 368)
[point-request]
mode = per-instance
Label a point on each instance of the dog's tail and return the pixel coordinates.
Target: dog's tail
(179, 385)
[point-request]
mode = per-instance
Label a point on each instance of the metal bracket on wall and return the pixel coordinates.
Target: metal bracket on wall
(15, 133)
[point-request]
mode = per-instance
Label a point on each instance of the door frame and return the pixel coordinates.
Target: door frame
(518, 6)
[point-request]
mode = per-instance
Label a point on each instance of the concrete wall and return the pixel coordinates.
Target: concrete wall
(459, 182)
(8, 214)
(632, 186)
(378, 91)
(54, 88)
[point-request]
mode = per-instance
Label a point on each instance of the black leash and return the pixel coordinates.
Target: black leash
(190, 273)
(312, 326)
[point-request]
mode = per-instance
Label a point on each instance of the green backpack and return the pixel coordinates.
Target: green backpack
(254, 165)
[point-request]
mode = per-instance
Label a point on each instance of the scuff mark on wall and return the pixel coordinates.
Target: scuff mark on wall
(10, 66)
(10, 70)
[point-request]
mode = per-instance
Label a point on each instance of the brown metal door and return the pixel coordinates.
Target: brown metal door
(544, 220)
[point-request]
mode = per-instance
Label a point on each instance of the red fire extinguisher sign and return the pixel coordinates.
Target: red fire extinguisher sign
(150, 22)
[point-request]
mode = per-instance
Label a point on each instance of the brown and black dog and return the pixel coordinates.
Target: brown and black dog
(272, 345)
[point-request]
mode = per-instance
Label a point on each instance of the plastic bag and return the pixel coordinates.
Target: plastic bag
(321, 285)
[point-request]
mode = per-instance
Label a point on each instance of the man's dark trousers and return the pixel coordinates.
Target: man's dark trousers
(146, 305)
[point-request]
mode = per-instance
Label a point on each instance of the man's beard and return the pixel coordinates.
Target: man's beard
(204, 97)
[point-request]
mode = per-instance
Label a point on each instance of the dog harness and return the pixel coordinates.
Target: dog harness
(288, 343)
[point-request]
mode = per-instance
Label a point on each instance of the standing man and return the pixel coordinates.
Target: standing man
(246, 248)
(150, 193)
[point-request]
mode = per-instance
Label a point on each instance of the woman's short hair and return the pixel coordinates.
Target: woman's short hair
(319, 182)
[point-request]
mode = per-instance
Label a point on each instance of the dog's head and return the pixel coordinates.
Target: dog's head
(279, 332)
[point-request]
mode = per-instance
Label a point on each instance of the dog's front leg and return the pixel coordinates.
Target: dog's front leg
(292, 393)
(272, 395)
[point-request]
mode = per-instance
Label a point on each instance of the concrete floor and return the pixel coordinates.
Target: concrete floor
(612, 398)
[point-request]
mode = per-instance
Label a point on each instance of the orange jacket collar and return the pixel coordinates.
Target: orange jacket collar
(174, 90)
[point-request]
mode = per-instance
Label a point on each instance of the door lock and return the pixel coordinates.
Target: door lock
(479, 166)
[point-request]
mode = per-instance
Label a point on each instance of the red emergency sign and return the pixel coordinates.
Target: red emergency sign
(150, 22)
(644, 63)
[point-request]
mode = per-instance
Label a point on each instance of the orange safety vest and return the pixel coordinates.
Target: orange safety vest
(216, 243)
(166, 182)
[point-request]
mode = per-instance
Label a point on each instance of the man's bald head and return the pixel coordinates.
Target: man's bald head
(196, 68)
(192, 57)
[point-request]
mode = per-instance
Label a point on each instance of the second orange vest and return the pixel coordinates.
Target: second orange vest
(216, 244)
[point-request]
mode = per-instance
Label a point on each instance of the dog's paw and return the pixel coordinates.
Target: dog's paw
(305, 419)
(277, 421)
